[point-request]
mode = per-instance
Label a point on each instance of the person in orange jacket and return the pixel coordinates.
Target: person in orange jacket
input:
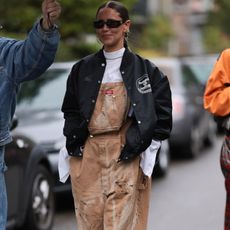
(217, 102)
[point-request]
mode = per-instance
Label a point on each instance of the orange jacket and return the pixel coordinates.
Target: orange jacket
(217, 92)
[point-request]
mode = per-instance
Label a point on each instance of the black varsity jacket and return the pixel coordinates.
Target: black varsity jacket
(147, 87)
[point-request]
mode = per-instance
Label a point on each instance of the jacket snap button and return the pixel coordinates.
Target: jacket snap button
(139, 122)
(103, 64)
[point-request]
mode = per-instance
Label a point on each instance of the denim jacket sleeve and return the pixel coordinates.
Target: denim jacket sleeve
(28, 59)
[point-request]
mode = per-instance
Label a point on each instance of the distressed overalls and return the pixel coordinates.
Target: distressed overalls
(109, 195)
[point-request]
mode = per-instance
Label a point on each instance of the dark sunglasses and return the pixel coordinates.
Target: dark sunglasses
(110, 23)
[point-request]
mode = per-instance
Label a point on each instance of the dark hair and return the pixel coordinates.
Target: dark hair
(121, 9)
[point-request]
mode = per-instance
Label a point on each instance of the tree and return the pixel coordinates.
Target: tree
(221, 16)
(76, 18)
(217, 31)
(157, 34)
(75, 22)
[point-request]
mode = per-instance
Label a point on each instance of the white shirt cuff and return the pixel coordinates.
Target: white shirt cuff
(63, 165)
(148, 158)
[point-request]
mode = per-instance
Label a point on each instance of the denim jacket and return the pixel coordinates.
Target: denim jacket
(22, 60)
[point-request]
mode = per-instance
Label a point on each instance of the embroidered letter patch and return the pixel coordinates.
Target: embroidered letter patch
(143, 84)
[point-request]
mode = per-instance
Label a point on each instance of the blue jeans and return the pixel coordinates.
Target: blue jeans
(3, 195)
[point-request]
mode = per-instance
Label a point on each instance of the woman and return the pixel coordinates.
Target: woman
(117, 109)
(217, 101)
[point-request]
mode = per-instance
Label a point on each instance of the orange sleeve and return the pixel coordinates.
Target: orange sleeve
(217, 91)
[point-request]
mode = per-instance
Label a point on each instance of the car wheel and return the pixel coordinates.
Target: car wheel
(209, 139)
(162, 164)
(193, 147)
(41, 204)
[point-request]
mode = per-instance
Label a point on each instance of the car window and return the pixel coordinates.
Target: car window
(201, 66)
(46, 92)
(168, 72)
(201, 71)
(189, 78)
(173, 72)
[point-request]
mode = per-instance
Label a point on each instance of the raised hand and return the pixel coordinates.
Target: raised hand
(51, 11)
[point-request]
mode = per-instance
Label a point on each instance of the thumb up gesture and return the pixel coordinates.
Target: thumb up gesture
(51, 11)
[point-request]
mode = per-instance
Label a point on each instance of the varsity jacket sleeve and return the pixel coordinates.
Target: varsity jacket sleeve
(163, 104)
(217, 92)
(75, 127)
(159, 127)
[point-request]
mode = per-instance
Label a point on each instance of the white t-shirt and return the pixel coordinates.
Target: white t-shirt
(113, 63)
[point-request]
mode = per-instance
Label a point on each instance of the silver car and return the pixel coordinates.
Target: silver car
(193, 127)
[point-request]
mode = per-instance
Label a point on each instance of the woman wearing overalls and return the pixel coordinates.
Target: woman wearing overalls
(117, 110)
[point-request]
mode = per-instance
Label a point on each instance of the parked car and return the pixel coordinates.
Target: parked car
(193, 127)
(29, 183)
(32, 158)
(163, 160)
(202, 66)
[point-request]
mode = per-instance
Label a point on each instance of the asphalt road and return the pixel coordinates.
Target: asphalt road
(190, 197)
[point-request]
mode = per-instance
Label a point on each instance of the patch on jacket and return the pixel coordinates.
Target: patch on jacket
(143, 84)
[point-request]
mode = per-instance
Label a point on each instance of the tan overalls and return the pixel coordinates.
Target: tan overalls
(109, 195)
